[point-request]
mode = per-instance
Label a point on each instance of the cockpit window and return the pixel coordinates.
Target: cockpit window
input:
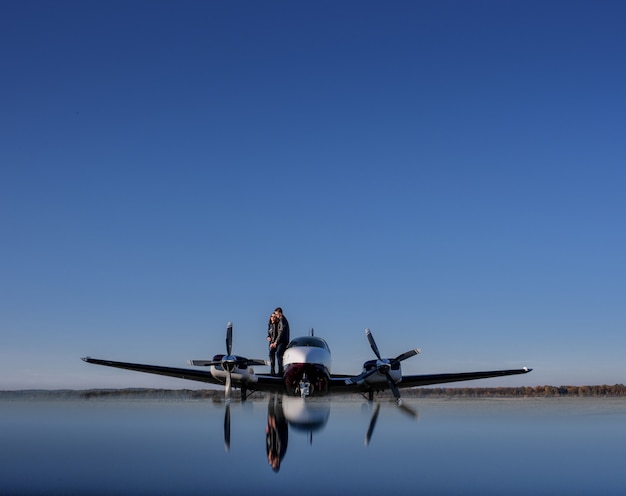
(309, 341)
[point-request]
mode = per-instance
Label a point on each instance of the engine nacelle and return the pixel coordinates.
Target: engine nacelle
(239, 371)
(382, 366)
(236, 375)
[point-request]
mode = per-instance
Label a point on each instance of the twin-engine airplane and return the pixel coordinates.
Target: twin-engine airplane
(306, 364)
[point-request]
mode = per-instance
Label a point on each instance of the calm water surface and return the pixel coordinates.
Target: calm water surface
(461, 446)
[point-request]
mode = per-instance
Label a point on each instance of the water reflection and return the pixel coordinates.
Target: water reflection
(171, 447)
(276, 433)
(308, 416)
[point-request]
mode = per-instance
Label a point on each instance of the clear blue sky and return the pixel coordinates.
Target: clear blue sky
(450, 174)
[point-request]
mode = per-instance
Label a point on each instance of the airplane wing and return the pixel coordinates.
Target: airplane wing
(268, 383)
(428, 379)
(338, 382)
(265, 382)
(189, 374)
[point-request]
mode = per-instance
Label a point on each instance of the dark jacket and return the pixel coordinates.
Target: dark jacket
(282, 331)
(272, 331)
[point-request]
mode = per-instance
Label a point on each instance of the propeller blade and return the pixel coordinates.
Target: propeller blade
(361, 377)
(229, 339)
(370, 429)
(204, 363)
(227, 428)
(228, 387)
(407, 409)
(393, 387)
(407, 354)
(367, 374)
(370, 338)
(253, 361)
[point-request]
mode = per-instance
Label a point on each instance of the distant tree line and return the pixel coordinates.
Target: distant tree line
(134, 393)
(182, 394)
(603, 391)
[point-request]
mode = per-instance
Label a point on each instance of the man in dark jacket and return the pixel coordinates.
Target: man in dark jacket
(281, 340)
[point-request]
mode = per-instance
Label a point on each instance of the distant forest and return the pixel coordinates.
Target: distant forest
(604, 391)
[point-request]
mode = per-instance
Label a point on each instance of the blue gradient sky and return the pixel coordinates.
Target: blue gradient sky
(449, 174)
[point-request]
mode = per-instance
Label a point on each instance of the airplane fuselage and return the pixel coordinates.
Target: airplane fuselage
(306, 365)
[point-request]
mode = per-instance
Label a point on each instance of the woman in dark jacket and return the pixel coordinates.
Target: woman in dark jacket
(272, 331)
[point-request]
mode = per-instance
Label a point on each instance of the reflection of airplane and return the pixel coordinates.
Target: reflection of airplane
(306, 416)
(307, 371)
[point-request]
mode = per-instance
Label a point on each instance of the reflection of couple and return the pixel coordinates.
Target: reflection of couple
(276, 433)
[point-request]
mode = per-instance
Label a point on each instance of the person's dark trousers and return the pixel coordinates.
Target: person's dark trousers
(280, 351)
(273, 361)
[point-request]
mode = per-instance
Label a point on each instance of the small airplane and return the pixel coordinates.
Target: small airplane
(307, 371)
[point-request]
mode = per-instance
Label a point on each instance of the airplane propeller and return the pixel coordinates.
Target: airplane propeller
(383, 366)
(229, 362)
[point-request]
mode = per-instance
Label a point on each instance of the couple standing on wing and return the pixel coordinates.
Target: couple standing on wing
(278, 337)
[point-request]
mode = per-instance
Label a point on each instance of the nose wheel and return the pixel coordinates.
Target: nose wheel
(304, 386)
